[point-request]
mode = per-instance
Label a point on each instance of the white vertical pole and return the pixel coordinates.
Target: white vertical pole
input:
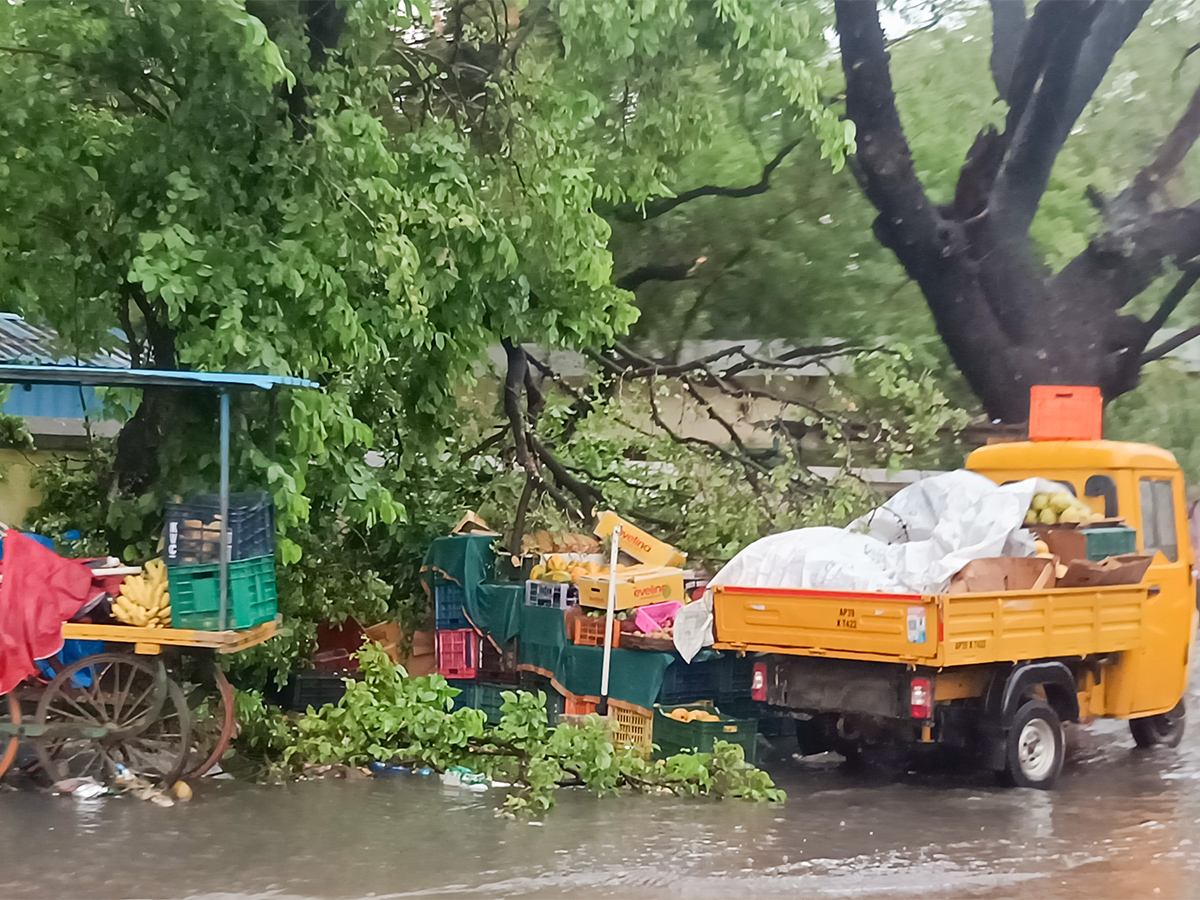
(602, 708)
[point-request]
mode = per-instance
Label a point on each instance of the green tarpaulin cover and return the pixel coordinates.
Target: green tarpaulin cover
(499, 611)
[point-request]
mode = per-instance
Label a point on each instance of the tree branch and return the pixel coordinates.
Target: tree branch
(1008, 31)
(518, 529)
(1171, 344)
(1113, 25)
(514, 383)
(1039, 133)
(1191, 274)
(734, 437)
(889, 180)
(1119, 265)
(588, 495)
(631, 281)
(663, 205)
(1150, 180)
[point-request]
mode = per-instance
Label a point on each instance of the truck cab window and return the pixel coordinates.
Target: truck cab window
(1158, 518)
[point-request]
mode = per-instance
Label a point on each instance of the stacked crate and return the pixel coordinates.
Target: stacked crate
(467, 659)
(457, 643)
(192, 551)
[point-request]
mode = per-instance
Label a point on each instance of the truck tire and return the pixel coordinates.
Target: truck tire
(1033, 747)
(812, 737)
(1164, 730)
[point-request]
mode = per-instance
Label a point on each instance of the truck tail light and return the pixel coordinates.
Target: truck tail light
(758, 683)
(921, 699)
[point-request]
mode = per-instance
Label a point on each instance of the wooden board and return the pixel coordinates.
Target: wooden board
(150, 640)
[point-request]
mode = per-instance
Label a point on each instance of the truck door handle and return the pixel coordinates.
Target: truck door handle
(1155, 590)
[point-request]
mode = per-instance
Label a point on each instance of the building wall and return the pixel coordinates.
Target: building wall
(17, 496)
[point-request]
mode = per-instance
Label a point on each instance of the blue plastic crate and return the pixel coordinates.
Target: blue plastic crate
(448, 611)
(735, 677)
(683, 682)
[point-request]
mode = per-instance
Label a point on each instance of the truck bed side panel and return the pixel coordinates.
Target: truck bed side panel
(1015, 625)
(903, 626)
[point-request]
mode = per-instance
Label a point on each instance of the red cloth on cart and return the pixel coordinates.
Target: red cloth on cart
(40, 591)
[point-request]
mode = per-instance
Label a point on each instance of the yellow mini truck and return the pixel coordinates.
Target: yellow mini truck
(995, 673)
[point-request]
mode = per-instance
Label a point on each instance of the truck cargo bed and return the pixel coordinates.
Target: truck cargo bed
(938, 630)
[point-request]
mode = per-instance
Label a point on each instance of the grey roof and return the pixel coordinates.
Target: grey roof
(21, 342)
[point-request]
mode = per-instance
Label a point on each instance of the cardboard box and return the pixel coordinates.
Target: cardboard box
(640, 545)
(1004, 573)
(637, 586)
(1129, 569)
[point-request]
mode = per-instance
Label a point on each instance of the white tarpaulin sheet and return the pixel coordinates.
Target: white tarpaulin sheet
(914, 543)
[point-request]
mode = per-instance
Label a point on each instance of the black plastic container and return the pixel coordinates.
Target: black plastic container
(191, 532)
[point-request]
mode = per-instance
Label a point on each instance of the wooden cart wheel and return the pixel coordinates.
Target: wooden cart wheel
(227, 716)
(14, 714)
(134, 697)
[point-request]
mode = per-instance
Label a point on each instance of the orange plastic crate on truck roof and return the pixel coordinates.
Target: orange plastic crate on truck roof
(1065, 413)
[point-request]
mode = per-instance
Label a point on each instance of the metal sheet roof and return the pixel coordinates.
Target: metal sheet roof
(21, 342)
(137, 378)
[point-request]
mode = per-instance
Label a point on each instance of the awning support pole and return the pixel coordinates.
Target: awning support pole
(224, 537)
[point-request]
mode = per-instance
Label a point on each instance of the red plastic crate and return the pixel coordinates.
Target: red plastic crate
(1065, 413)
(458, 653)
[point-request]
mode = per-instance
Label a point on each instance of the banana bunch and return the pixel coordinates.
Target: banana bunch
(144, 600)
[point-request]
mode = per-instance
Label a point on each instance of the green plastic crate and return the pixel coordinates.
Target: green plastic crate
(195, 594)
(673, 736)
(1105, 542)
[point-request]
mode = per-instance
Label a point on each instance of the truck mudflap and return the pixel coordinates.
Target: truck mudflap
(903, 626)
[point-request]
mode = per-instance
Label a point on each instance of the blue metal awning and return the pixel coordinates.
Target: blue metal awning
(95, 376)
(221, 382)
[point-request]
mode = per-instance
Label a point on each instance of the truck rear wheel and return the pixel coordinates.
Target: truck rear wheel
(1033, 747)
(1164, 730)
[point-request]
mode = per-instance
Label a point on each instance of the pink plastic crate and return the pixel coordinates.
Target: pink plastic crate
(458, 653)
(652, 617)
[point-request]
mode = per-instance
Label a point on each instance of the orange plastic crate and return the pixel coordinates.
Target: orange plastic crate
(578, 706)
(1065, 413)
(627, 725)
(589, 631)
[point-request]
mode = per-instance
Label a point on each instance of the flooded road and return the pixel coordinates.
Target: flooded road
(1121, 824)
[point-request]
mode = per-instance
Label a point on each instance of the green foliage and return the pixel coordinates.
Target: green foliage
(387, 715)
(1162, 412)
(189, 174)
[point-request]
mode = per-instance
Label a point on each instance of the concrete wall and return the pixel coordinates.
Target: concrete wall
(17, 496)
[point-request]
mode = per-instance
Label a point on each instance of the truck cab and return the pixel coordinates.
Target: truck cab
(1144, 486)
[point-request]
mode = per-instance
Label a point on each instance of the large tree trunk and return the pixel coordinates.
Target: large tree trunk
(1008, 321)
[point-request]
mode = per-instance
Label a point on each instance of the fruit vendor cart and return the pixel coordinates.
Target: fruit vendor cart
(120, 705)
